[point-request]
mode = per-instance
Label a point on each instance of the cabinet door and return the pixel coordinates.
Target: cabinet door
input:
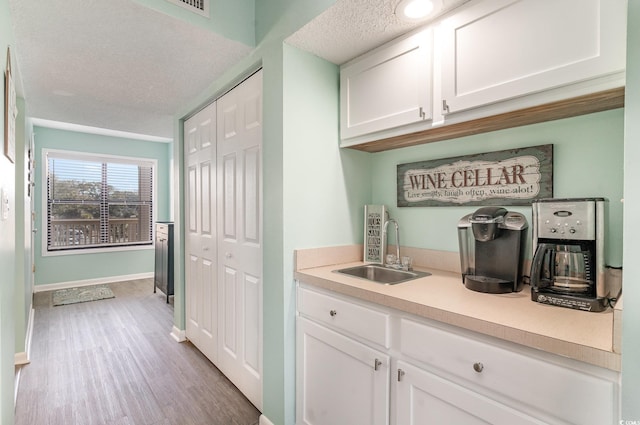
(501, 49)
(339, 380)
(423, 398)
(388, 88)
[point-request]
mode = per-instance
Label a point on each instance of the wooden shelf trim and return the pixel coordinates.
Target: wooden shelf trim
(581, 105)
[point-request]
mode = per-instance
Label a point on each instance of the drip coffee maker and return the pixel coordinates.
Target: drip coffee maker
(568, 267)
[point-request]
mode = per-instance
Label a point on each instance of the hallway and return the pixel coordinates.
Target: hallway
(114, 362)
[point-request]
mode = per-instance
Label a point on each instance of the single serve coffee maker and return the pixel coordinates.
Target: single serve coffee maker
(492, 242)
(568, 267)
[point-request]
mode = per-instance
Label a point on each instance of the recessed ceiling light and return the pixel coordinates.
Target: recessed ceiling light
(417, 10)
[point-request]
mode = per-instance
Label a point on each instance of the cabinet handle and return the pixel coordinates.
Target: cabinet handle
(376, 364)
(421, 112)
(445, 107)
(478, 367)
(400, 374)
(332, 313)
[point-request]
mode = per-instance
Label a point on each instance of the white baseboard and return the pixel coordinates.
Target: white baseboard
(264, 421)
(178, 335)
(89, 282)
(22, 358)
(16, 383)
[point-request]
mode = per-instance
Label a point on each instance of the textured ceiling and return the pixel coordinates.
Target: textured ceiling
(350, 28)
(113, 64)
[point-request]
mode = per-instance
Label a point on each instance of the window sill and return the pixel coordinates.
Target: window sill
(104, 250)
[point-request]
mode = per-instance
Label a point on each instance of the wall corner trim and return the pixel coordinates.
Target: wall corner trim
(264, 420)
(178, 334)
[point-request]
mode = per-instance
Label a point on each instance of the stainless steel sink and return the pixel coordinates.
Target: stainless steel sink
(381, 274)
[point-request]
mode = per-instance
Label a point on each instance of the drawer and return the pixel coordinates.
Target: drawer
(560, 392)
(343, 315)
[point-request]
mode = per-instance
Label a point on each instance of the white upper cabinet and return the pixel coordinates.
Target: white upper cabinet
(388, 87)
(485, 58)
(500, 49)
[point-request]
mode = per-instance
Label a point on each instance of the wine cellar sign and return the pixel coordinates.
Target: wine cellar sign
(509, 177)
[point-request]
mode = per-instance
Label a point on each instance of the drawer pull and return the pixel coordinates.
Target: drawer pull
(478, 367)
(332, 313)
(376, 364)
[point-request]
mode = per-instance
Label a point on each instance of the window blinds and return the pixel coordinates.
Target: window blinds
(97, 201)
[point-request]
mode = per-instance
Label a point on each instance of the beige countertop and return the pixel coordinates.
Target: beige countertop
(584, 336)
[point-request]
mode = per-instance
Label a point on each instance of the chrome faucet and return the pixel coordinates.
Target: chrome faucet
(386, 248)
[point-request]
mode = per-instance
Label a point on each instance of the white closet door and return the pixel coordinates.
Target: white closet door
(239, 159)
(200, 224)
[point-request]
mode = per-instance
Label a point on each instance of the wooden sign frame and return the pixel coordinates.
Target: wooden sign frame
(509, 177)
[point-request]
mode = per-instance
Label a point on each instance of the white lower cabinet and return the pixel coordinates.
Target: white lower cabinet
(340, 381)
(423, 398)
(406, 370)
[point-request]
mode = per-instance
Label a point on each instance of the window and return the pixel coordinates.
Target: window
(97, 202)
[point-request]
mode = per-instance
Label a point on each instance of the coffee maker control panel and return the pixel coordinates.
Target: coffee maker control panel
(565, 219)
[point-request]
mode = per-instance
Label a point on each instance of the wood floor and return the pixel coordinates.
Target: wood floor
(113, 362)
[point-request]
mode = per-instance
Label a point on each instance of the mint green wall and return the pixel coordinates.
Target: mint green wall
(7, 241)
(23, 277)
(631, 318)
(587, 156)
(324, 187)
(275, 21)
(232, 19)
(86, 266)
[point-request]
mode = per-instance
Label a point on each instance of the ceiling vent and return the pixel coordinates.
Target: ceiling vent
(201, 7)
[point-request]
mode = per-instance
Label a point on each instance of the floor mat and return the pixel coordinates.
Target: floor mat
(82, 294)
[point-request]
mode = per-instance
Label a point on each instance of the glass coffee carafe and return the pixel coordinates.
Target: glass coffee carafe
(566, 268)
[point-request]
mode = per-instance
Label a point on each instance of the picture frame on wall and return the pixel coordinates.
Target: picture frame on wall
(10, 111)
